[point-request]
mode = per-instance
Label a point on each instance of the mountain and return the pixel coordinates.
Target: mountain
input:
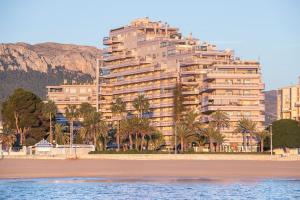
(32, 67)
(271, 106)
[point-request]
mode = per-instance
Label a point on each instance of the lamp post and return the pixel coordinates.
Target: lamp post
(271, 139)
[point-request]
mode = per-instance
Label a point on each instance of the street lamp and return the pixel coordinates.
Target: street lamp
(271, 139)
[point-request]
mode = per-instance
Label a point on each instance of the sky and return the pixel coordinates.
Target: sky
(268, 31)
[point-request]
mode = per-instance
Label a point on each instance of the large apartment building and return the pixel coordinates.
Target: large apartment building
(288, 102)
(150, 58)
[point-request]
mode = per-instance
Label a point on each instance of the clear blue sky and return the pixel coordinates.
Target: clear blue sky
(268, 30)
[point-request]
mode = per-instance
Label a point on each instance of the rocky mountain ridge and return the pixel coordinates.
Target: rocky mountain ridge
(39, 57)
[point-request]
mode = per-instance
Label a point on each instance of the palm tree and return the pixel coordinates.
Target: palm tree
(177, 110)
(221, 120)
(102, 134)
(145, 129)
(142, 106)
(49, 110)
(261, 135)
(118, 108)
(72, 114)
(210, 132)
(219, 139)
(187, 128)
(58, 131)
(157, 139)
(246, 126)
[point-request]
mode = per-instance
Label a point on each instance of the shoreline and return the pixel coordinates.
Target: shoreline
(145, 169)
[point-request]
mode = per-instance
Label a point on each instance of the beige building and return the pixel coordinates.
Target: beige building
(64, 95)
(149, 58)
(288, 101)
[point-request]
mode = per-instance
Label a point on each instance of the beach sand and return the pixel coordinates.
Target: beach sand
(210, 169)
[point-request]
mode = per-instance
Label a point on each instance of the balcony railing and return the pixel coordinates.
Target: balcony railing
(234, 118)
(141, 88)
(145, 79)
(244, 86)
(237, 97)
(132, 71)
(219, 74)
(227, 107)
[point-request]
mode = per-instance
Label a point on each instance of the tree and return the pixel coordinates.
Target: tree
(145, 129)
(178, 110)
(220, 119)
(7, 138)
(102, 134)
(246, 126)
(188, 128)
(210, 133)
(262, 135)
(156, 140)
(22, 112)
(142, 106)
(49, 110)
(72, 114)
(118, 108)
(59, 133)
(286, 133)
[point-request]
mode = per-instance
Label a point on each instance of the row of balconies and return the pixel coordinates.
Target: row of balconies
(238, 97)
(213, 107)
(111, 40)
(126, 63)
(144, 88)
(147, 78)
(151, 96)
(119, 56)
(216, 86)
(235, 118)
(133, 71)
(217, 75)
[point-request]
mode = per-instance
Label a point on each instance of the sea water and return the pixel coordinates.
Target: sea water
(148, 188)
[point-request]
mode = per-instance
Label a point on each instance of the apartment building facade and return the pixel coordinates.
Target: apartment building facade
(64, 95)
(150, 58)
(288, 102)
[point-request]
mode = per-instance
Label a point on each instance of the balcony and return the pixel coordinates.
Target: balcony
(218, 74)
(190, 92)
(191, 102)
(122, 64)
(235, 118)
(133, 71)
(214, 107)
(145, 88)
(215, 86)
(237, 97)
(152, 106)
(166, 75)
(153, 96)
(157, 124)
(107, 41)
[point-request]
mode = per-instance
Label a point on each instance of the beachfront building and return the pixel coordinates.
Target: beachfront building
(64, 95)
(151, 58)
(288, 106)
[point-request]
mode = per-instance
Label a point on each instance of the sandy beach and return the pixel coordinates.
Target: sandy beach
(212, 169)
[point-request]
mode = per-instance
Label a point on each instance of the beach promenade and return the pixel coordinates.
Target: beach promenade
(160, 166)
